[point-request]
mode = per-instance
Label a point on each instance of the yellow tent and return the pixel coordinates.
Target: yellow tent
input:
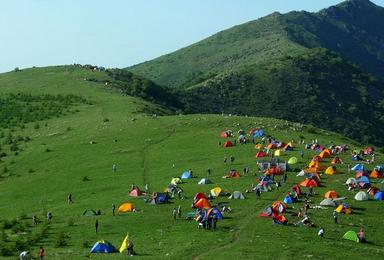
(291, 144)
(215, 192)
(126, 207)
(176, 181)
(259, 146)
(331, 170)
(342, 209)
(279, 152)
(124, 244)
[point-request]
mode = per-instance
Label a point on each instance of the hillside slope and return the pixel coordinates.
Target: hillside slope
(350, 28)
(318, 87)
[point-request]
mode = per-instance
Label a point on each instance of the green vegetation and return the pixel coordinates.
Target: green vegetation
(152, 150)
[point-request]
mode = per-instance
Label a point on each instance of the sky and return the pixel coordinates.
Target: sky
(121, 33)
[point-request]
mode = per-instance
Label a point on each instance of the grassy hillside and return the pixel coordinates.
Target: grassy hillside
(74, 154)
(318, 86)
(349, 28)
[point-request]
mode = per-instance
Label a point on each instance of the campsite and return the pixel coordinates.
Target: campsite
(160, 150)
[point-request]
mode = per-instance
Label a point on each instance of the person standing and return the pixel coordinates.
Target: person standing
(114, 168)
(146, 188)
(285, 177)
(69, 198)
(174, 213)
(225, 160)
(113, 209)
(34, 220)
(321, 232)
(335, 216)
(278, 185)
(232, 159)
(41, 253)
(96, 226)
(179, 211)
(49, 217)
(209, 171)
(258, 192)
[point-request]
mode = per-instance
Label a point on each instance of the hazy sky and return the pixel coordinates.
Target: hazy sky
(120, 33)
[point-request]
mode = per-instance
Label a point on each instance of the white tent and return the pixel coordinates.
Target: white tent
(328, 203)
(351, 180)
(205, 181)
(361, 195)
(302, 173)
(237, 195)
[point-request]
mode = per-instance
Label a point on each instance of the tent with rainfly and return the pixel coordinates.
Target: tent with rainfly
(103, 246)
(205, 181)
(309, 183)
(202, 203)
(292, 160)
(361, 195)
(331, 170)
(331, 194)
(351, 235)
(126, 207)
(237, 195)
(216, 192)
(326, 153)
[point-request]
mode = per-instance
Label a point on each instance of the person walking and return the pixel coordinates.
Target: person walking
(335, 215)
(34, 220)
(49, 217)
(209, 171)
(69, 198)
(41, 253)
(179, 211)
(96, 226)
(113, 209)
(174, 213)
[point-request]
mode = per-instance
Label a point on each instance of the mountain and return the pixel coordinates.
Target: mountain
(350, 28)
(322, 68)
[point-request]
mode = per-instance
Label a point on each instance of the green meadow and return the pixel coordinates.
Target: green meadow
(73, 152)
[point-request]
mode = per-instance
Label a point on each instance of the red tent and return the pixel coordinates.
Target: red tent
(261, 154)
(309, 183)
(136, 192)
(228, 144)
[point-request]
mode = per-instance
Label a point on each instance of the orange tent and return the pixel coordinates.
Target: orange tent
(274, 170)
(272, 146)
(279, 206)
(228, 144)
(376, 174)
(203, 203)
(326, 153)
(331, 194)
(309, 183)
(317, 166)
(232, 175)
(317, 159)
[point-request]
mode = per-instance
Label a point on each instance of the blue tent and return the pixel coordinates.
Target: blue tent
(363, 179)
(186, 175)
(213, 211)
(259, 133)
(379, 196)
(288, 200)
(358, 167)
(103, 247)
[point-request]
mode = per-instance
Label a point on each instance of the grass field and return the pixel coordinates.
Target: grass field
(152, 150)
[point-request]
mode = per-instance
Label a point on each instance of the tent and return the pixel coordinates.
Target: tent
(301, 173)
(186, 175)
(379, 195)
(199, 196)
(292, 160)
(205, 181)
(331, 170)
(237, 195)
(309, 183)
(376, 174)
(267, 212)
(260, 154)
(232, 174)
(216, 192)
(89, 213)
(331, 194)
(344, 208)
(202, 203)
(358, 167)
(361, 174)
(288, 200)
(136, 192)
(279, 207)
(369, 150)
(126, 207)
(159, 198)
(317, 166)
(259, 146)
(176, 180)
(274, 171)
(328, 203)
(361, 195)
(258, 133)
(363, 179)
(351, 181)
(373, 190)
(336, 160)
(279, 153)
(317, 159)
(103, 247)
(213, 212)
(228, 144)
(351, 235)
(326, 153)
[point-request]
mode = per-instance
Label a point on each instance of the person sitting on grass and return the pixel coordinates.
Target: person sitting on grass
(361, 235)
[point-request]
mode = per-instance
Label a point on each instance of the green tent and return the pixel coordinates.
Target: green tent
(292, 160)
(89, 212)
(351, 235)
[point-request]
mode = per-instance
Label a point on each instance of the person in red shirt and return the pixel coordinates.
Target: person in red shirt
(41, 253)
